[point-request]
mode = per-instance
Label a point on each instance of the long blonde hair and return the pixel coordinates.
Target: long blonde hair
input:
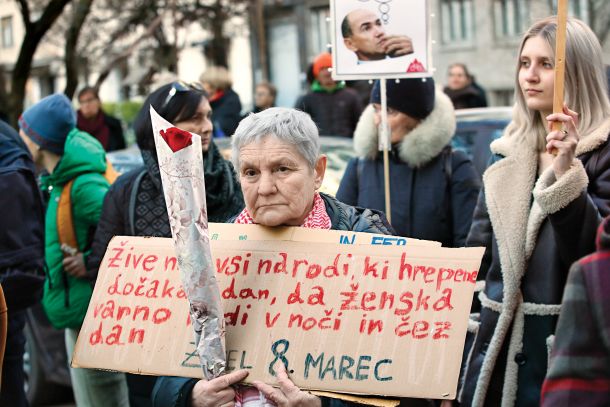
(586, 87)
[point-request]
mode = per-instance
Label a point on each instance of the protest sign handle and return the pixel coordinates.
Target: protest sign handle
(560, 52)
(385, 141)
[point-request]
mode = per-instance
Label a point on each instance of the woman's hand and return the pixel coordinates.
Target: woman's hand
(563, 143)
(288, 395)
(447, 403)
(217, 392)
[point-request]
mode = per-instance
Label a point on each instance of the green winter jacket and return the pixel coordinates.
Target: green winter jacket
(66, 298)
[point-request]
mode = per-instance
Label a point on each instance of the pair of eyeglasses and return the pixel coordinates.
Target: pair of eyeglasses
(181, 86)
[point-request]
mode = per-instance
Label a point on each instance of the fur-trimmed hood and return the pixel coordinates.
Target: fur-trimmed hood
(421, 145)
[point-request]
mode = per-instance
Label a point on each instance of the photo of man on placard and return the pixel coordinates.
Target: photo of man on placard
(365, 35)
(380, 38)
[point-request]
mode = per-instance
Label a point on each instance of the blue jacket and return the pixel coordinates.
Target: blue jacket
(22, 224)
(433, 188)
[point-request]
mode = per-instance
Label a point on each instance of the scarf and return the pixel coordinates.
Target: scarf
(96, 127)
(317, 218)
(223, 195)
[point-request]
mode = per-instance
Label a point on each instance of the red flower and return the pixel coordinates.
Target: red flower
(177, 139)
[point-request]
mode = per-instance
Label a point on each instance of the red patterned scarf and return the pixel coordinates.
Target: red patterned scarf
(317, 218)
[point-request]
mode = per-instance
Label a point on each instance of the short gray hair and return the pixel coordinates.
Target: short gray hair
(287, 125)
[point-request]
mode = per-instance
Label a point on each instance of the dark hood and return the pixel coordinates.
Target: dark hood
(12, 147)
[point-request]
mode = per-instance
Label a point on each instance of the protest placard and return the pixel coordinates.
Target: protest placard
(375, 39)
(354, 318)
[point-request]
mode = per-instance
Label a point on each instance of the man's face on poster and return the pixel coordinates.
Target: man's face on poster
(366, 36)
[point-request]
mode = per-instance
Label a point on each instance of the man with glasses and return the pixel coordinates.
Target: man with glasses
(92, 119)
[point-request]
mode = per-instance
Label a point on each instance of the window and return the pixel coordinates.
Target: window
(510, 18)
(6, 29)
(457, 22)
(320, 30)
(576, 8)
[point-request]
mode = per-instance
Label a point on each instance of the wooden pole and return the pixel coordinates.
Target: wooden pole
(384, 139)
(560, 61)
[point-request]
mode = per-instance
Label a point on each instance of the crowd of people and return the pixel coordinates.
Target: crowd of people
(539, 334)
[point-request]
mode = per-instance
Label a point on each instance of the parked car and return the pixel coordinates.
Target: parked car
(476, 129)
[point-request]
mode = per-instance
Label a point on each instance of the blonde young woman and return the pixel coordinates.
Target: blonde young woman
(537, 214)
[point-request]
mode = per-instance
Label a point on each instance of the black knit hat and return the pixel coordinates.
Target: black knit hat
(413, 96)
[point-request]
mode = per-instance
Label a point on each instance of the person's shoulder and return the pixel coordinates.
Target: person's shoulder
(459, 157)
(127, 179)
(356, 219)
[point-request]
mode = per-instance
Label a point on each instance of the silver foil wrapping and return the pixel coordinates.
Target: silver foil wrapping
(184, 190)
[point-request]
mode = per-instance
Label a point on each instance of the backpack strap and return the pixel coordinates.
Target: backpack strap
(65, 223)
(111, 174)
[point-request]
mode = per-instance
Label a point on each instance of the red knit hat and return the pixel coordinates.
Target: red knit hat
(324, 60)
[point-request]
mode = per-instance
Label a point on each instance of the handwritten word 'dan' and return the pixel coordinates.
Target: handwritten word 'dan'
(116, 336)
(232, 293)
(344, 367)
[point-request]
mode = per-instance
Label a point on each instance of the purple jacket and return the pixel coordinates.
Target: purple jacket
(579, 373)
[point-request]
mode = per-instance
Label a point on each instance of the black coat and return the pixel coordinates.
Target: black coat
(335, 114)
(468, 97)
(530, 245)
(117, 139)
(433, 189)
(226, 113)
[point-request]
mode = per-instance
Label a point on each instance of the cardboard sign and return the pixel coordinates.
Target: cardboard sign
(354, 318)
(375, 39)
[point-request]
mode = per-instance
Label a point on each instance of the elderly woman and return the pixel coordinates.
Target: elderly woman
(277, 157)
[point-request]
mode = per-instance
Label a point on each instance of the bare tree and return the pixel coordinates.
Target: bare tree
(80, 12)
(34, 33)
(600, 18)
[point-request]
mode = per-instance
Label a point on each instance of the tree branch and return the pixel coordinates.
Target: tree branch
(123, 55)
(25, 13)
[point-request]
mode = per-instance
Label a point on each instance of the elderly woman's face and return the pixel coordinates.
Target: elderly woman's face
(277, 182)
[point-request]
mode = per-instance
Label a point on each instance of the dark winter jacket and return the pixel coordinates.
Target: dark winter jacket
(226, 113)
(176, 391)
(533, 229)
(466, 98)
(335, 112)
(142, 211)
(22, 224)
(579, 371)
(117, 139)
(433, 189)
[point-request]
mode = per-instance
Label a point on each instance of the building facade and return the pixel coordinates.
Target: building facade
(483, 34)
